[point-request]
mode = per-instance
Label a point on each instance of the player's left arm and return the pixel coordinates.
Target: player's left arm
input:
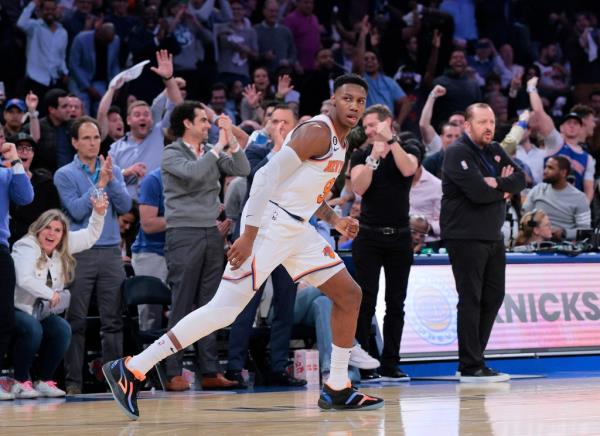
(347, 226)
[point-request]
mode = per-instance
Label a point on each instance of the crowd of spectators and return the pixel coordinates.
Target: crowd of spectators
(260, 68)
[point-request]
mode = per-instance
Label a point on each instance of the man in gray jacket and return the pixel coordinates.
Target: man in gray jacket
(194, 248)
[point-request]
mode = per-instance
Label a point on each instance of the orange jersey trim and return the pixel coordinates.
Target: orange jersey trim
(319, 268)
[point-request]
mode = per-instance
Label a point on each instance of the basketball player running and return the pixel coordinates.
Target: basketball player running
(285, 194)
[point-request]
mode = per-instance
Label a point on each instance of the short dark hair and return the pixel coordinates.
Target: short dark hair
(183, 111)
(447, 124)
(563, 163)
(583, 110)
(382, 111)
(469, 111)
(80, 122)
(52, 96)
(353, 79)
(285, 107)
(114, 110)
(219, 86)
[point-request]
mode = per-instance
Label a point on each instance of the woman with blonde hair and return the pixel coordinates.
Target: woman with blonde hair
(535, 227)
(44, 265)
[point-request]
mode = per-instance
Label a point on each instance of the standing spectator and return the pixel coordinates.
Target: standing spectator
(552, 74)
(318, 84)
(564, 143)
(382, 89)
(148, 250)
(276, 46)
(208, 14)
(461, 90)
(54, 148)
(306, 30)
(79, 19)
(505, 65)
(191, 35)
(194, 250)
(379, 171)
(44, 266)
(46, 47)
(530, 154)
(76, 109)
(140, 150)
(45, 194)
(16, 187)
(450, 132)
(433, 142)
(282, 122)
(483, 60)
(100, 267)
(588, 123)
(238, 45)
(124, 23)
(477, 174)
(463, 13)
(94, 61)
(567, 207)
(582, 52)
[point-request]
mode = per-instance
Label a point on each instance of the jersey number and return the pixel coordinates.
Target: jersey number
(326, 190)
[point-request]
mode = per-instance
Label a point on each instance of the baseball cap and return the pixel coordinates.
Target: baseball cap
(22, 137)
(15, 102)
(572, 116)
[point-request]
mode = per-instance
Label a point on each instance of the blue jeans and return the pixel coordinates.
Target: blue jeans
(49, 338)
(284, 294)
(312, 308)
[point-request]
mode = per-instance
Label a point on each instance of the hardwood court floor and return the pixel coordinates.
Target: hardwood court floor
(567, 406)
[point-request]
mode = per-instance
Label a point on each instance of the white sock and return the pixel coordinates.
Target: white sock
(338, 375)
(221, 311)
(161, 348)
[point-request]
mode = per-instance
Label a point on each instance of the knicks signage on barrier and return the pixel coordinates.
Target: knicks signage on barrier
(546, 307)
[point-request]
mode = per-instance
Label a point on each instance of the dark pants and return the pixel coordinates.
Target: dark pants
(478, 268)
(49, 338)
(195, 257)
(7, 299)
(100, 269)
(284, 297)
(372, 250)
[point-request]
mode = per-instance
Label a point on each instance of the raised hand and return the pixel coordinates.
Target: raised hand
(210, 113)
(252, 96)
(532, 83)
(31, 100)
(384, 132)
(9, 151)
(283, 85)
(106, 173)
(438, 91)
(436, 41)
(164, 60)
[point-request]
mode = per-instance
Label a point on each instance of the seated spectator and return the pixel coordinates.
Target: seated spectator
(432, 141)
(44, 264)
(535, 227)
(566, 207)
(419, 229)
(45, 195)
(237, 45)
(94, 61)
(588, 122)
(450, 132)
(553, 80)
(313, 309)
(565, 143)
(426, 200)
(505, 66)
(483, 60)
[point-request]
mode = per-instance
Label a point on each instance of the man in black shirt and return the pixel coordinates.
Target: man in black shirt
(477, 178)
(382, 173)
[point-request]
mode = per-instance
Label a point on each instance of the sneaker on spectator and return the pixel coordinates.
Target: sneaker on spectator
(5, 393)
(361, 359)
(24, 390)
(48, 389)
(370, 376)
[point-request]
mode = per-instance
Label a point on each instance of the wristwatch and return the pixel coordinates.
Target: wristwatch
(394, 139)
(372, 163)
(15, 162)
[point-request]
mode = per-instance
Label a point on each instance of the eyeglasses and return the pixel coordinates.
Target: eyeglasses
(24, 148)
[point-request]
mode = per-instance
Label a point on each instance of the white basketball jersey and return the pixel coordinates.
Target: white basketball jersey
(303, 192)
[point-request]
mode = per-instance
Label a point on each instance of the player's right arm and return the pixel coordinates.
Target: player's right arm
(309, 140)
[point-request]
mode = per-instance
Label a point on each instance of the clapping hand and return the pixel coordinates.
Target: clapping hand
(100, 204)
(347, 226)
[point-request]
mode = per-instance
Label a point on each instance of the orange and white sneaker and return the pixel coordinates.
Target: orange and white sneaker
(347, 399)
(124, 386)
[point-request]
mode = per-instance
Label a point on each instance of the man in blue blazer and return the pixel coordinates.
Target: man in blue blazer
(93, 62)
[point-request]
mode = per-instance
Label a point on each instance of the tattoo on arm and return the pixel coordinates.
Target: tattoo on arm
(326, 213)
